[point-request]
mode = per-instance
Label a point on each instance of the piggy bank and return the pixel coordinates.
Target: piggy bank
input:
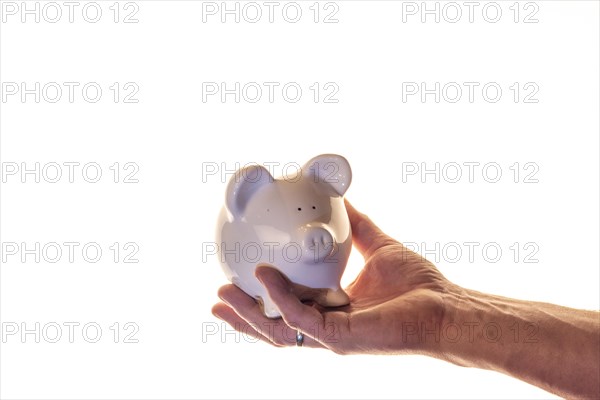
(297, 224)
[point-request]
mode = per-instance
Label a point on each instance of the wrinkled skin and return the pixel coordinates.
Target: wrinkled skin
(401, 304)
(395, 289)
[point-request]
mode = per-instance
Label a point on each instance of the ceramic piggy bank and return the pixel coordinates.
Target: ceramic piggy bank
(297, 224)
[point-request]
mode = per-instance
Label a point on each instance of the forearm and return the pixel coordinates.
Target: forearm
(553, 347)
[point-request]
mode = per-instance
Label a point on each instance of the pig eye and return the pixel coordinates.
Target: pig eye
(299, 209)
(314, 208)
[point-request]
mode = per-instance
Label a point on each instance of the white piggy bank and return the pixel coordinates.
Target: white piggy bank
(297, 224)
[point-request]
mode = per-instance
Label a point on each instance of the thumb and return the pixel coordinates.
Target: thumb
(366, 236)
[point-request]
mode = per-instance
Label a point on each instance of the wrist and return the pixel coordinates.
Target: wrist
(484, 331)
(549, 346)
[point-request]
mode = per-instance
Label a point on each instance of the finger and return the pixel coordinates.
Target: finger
(275, 330)
(227, 314)
(296, 314)
(366, 236)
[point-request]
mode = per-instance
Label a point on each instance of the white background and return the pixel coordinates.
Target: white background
(172, 136)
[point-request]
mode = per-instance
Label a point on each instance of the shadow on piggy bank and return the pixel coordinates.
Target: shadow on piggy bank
(297, 224)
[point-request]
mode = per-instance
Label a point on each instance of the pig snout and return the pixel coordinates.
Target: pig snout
(318, 244)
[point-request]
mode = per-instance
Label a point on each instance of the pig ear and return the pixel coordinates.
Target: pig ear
(243, 185)
(330, 170)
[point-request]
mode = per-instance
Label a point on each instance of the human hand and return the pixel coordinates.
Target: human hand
(396, 292)
(401, 304)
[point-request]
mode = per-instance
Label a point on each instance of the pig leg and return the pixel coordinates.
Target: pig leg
(268, 307)
(335, 298)
(327, 297)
